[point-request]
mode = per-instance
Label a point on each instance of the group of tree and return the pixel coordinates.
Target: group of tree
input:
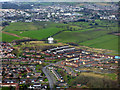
(8, 5)
(94, 82)
(5, 23)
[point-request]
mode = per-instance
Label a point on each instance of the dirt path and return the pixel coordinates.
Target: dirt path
(11, 34)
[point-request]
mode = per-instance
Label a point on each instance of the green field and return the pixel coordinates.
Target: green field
(24, 26)
(34, 30)
(80, 36)
(38, 34)
(9, 38)
(107, 42)
(92, 33)
(21, 26)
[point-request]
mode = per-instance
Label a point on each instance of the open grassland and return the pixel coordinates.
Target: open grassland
(111, 76)
(20, 26)
(97, 34)
(96, 39)
(80, 36)
(38, 34)
(97, 23)
(40, 44)
(104, 4)
(34, 30)
(25, 26)
(9, 38)
(106, 41)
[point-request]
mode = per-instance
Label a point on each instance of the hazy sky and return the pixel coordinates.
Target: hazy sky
(5, 0)
(62, 0)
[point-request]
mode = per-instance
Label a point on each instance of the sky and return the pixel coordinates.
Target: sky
(62, 0)
(5, 0)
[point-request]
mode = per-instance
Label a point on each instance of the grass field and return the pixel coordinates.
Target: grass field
(24, 26)
(21, 26)
(111, 76)
(82, 33)
(80, 36)
(34, 30)
(107, 42)
(9, 38)
(38, 34)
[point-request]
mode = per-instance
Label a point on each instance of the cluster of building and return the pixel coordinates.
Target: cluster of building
(24, 68)
(57, 13)
(110, 17)
(60, 13)
(23, 74)
(101, 6)
(78, 57)
(18, 71)
(13, 15)
(6, 50)
(68, 70)
(57, 75)
(23, 61)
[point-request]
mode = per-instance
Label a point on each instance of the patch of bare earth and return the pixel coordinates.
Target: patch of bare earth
(10, 34)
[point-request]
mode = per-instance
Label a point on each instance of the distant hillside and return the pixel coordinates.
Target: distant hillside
(68, 0)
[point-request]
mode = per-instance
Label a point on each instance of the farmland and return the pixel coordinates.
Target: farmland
(9, 38)
(99, 36)
(37, 34)
(107, 42)
(20, 26)
(36, 30)
(91, 33)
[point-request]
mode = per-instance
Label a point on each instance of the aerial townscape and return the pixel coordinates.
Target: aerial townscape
(54, 45)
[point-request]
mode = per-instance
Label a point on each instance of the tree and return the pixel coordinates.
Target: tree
(96, 23)
(5, 23)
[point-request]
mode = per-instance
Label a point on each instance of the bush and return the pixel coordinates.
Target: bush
(94, 82)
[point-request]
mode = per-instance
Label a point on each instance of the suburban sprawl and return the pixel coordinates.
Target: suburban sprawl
(59, 45)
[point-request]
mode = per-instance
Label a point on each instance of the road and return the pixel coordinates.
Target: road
(50, 76)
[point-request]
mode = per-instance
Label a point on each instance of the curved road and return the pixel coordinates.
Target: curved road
(50, 77)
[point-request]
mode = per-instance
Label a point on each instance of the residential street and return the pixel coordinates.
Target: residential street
(50, 77)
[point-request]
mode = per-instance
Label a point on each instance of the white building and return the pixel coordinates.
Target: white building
(50, 40)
